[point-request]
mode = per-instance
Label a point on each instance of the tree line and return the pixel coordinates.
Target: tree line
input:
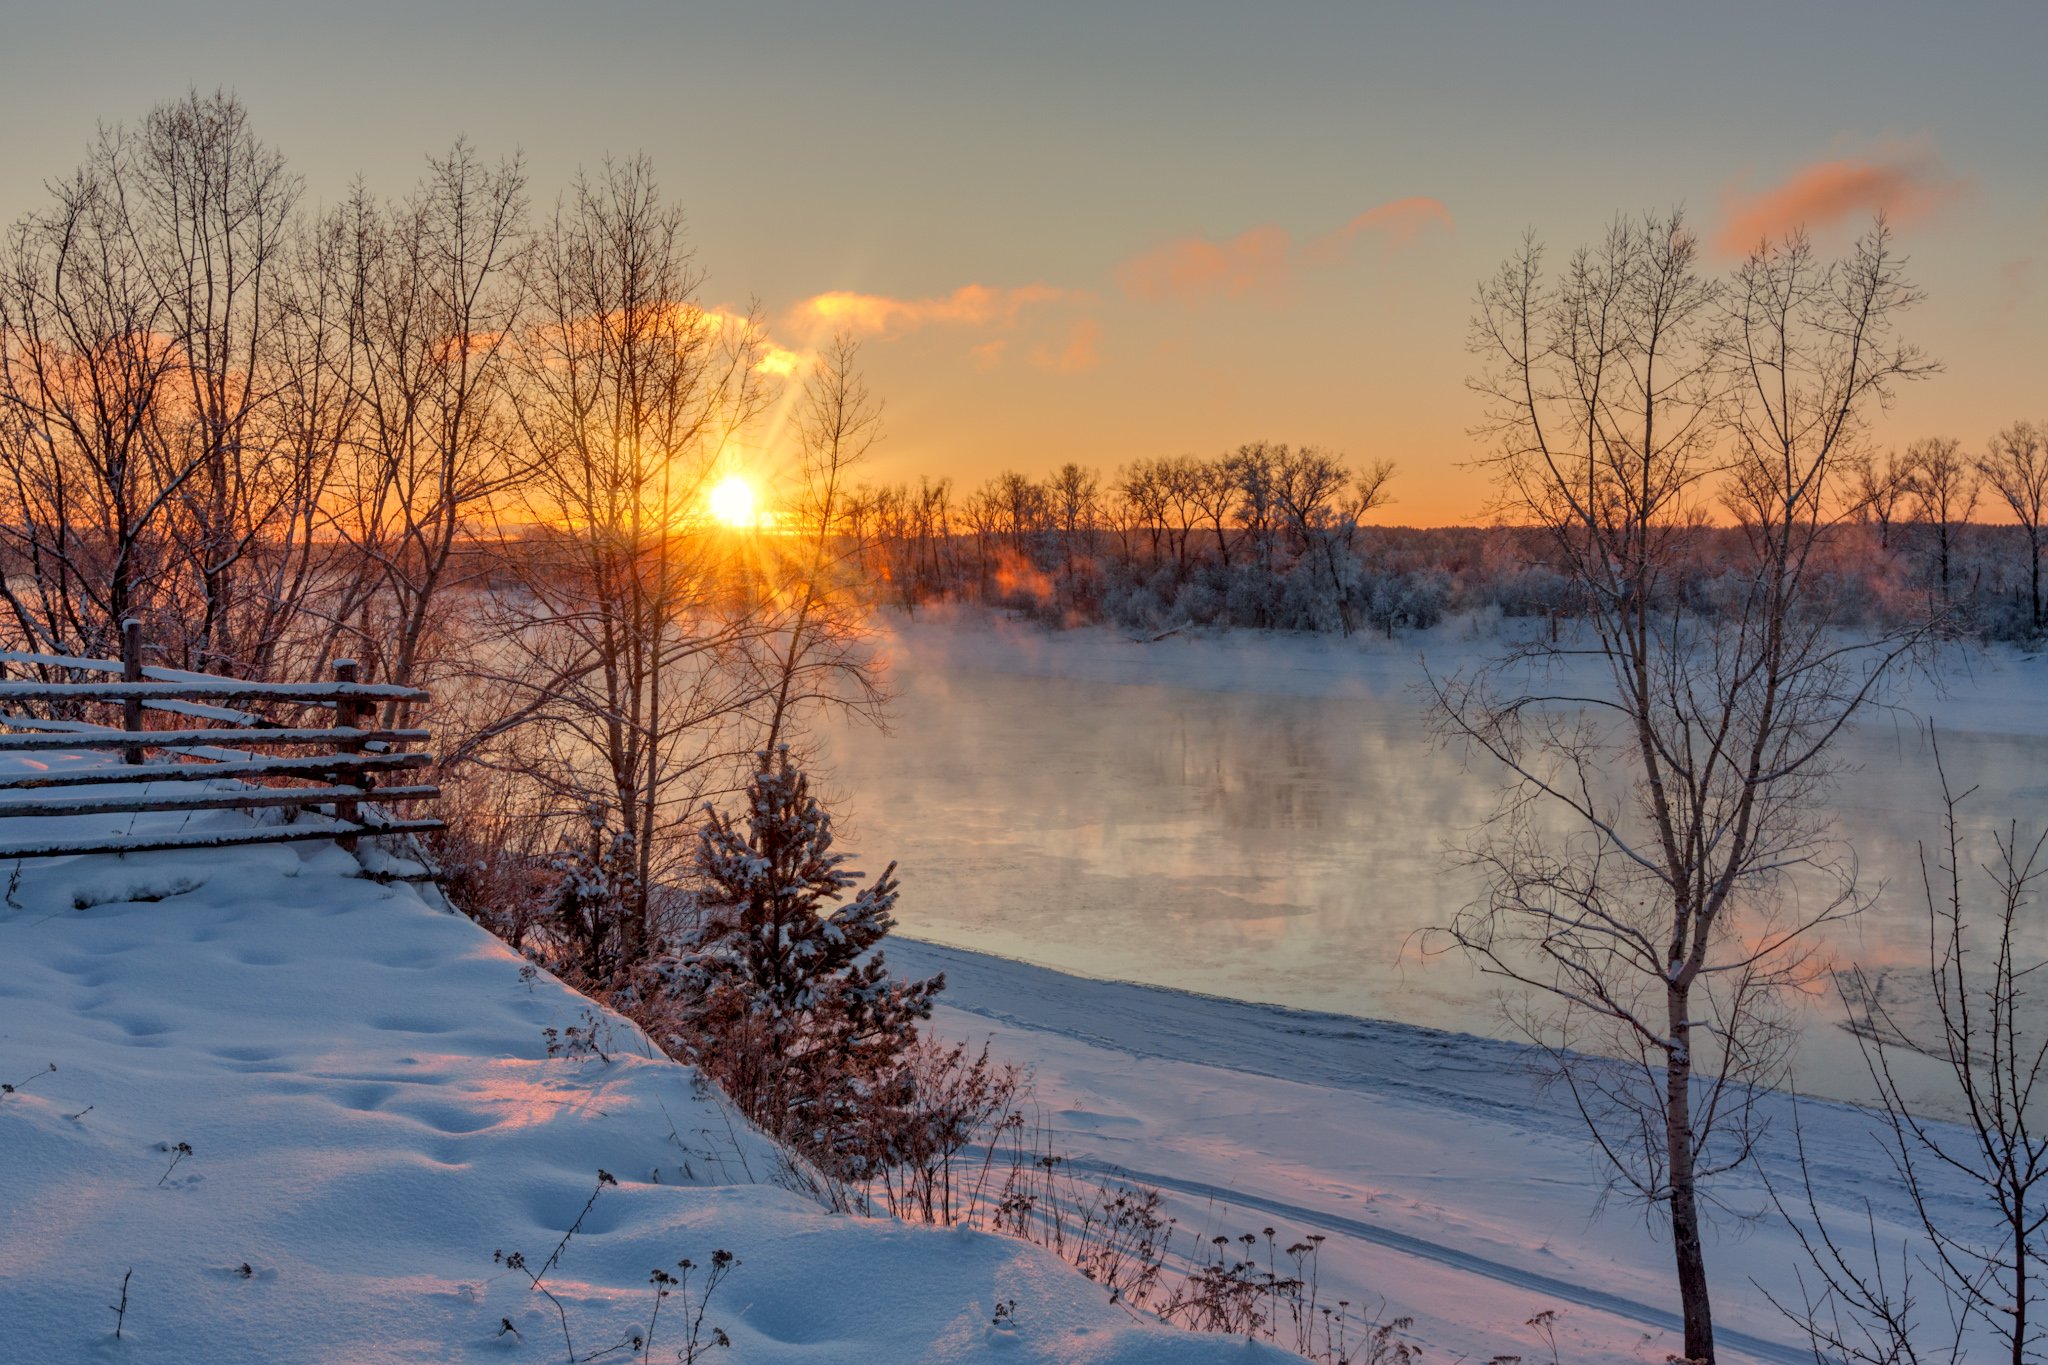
(1278, 537)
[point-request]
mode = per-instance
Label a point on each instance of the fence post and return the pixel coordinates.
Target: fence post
(347, 716)
(131, 671)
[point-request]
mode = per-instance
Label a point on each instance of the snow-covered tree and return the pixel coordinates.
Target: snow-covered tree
(594, 882)
(782, 994)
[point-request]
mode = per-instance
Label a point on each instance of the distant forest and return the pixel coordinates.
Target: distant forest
(1275, 537)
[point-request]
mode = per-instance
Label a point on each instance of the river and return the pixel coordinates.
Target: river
(1268, 819)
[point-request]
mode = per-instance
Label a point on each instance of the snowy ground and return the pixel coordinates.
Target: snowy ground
(1446, 1182)
(371, 1112)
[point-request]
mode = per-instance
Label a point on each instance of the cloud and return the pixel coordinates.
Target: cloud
(971, 305)
(1904, 182)
(1256, 261)
(1397, 223)
(723, 325)
(988, 355)
(780, 361)
(1263, 261)
(1081, 352)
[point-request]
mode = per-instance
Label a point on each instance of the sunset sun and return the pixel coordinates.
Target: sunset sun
(733, 503)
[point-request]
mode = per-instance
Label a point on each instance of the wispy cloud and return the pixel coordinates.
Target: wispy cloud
(1253, 262)
(1264, 261)
(971, 305)
(1904, 181)
(1081, 351)
(1396, 224)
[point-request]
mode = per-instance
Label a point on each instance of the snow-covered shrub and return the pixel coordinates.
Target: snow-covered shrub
(1428, 599)
(1203, 600)
(2007, 616)
(1308, 601)
(1393, 601)
(1132, 605)
(1532, 590)
(1252, 598)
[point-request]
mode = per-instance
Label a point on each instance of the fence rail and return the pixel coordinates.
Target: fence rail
(335, 694)
(339, 781)
(73, 735)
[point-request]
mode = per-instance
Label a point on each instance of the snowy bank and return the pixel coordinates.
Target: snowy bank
(1451, 1186)
(372, 1114)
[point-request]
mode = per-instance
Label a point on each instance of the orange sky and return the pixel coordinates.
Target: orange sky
(1104, 233)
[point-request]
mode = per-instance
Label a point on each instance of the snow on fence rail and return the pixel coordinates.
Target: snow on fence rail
(228, 757)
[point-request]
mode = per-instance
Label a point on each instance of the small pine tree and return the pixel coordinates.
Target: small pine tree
(782, 992)
(589, 908)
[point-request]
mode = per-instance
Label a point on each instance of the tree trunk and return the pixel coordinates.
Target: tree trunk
(2034, 544)
(1685, 1213)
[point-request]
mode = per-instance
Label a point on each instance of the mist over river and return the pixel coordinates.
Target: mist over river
(1267, 818)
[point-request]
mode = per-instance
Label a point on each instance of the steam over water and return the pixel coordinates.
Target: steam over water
(1269, 820)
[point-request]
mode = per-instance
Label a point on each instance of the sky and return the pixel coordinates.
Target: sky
(1107, 232)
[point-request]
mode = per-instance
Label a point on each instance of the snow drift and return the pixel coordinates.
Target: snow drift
(375, 1122)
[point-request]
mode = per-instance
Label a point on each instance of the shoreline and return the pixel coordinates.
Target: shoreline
(1445, 1178)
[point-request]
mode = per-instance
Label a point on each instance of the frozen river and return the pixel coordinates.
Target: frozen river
(1269, 820)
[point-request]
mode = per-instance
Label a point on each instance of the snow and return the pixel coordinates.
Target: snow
(364, 1083)
(1448, 1183)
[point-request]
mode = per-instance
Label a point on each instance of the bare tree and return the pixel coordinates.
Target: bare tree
(1976, 1016)
(1253, 468)
(1369, 488)
(2016, 467)
(1664, 764)
(621, 645)
(1180, 481)
(1944, 486)
(174, 381)
(819, 649)
(1879, 487)
(1308, 485)
(210, 208)
(92, 470)
(299, 597)
(1320, 503)
(1216, 497)
(1143, 487)
(983, 509)
(442, 301)
(1077, 509)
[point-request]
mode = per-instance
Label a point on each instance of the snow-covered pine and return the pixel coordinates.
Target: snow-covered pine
(782, 993)
(596, 882)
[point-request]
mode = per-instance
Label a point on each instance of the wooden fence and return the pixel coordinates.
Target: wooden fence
(332, 766)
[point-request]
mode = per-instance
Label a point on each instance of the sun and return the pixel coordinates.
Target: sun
(734, 504)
